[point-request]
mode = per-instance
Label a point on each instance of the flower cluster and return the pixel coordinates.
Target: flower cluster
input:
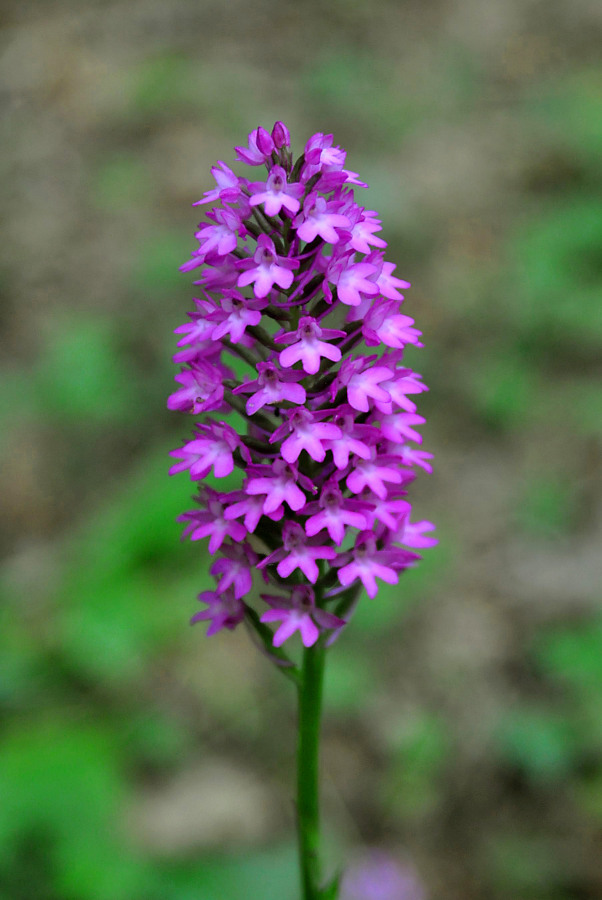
(297, 329)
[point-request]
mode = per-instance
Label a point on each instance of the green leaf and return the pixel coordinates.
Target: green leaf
(331, 890)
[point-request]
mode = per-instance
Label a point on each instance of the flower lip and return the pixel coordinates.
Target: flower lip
(277, 179)
(331, 497)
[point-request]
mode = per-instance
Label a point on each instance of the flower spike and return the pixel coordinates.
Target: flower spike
(309, 495)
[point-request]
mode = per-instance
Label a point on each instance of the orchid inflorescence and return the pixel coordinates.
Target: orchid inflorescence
(295, 286)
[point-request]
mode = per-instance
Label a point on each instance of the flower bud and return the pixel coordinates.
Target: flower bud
(281, 136)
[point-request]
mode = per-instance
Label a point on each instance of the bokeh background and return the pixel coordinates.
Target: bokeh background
(463, 733)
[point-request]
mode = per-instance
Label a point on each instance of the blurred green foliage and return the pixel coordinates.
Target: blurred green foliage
(546, 507)
(559, 267)
(83, 374)
(72, 810)
(421, 750)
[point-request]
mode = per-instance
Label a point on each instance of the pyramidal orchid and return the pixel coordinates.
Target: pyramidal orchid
(297, 330)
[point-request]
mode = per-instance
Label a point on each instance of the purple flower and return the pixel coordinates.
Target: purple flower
(297, 553)
(276, 193)
(252, 508)
(319, 219)
(388, 283)
(305, 433)
(307, 347)
(412, 534)
(374, 474)
(272, 386)
(322, 446)
(222, 237)
(397, 427)
(405, 382)
(200, 328)
(351, 280)
(369, 563)
(389, 510)
(335, 512)
(213, 447)
(267, 269)
(364, 224)
(279, 484)
(224, 610)
(235, 568)
(211, 523)
(382, 326)
(298, 613)
(378, 876)
(280, 136)
(320, 152)
(410, 456)
(227, 186)
(322, 157)
(202, 389)
(239, 314)
(363, 383)
(222, 273)
(259, 148)
(353, 438)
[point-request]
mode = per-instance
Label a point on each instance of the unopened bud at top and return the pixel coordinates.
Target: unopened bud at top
(280, 135)
(264, 142)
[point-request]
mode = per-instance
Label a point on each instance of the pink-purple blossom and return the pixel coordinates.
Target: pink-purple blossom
(378, 876)
(273, 386)
(266, 268)
(235, 569)
(351, 279)
(276, 193)
(222, 237)
(334, 512)
(223, 611)
(279, 484)
(211, 522)
(305, 432)
(235, 316)
(310, 477)
(320, 220)
(363, 383)
(307, 346)
(212, 448)
(298, 613)
(298, 553)
(202, 389)
(226, 185)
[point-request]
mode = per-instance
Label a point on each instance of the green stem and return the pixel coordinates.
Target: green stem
(310, 705)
